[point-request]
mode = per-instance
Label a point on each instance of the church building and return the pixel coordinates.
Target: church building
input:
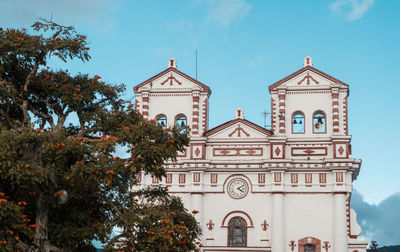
(282, 190)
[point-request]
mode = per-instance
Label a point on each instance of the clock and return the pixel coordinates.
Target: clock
(238, 188)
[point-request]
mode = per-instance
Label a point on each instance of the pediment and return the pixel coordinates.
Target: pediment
(238, 129)
(171, 79)
(308, 78)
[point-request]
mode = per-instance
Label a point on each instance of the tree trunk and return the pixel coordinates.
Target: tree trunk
(41, 240)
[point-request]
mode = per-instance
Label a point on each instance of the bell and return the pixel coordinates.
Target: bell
(162, 123)
(182, 124)
(320, 120)
(295, 122)
(300, 122)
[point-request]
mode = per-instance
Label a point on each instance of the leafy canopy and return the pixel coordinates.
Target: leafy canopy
(61, 183)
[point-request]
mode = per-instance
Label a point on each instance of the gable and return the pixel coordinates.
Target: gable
(308, 77)
(238, 129)
(171, 79)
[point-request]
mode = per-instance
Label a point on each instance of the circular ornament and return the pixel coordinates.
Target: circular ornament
(238, 188)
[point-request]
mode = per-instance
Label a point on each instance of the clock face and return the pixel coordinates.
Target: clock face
(238, 188)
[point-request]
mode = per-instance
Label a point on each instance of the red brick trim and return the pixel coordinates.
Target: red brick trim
(249, 220)
(291, 122)
(313, 241)
(309, 149)
(312, 69)
(232, 122)
(173, 69)
(237, 152)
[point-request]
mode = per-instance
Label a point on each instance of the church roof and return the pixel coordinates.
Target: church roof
(172, 68)
(302, 70)
(235, 121)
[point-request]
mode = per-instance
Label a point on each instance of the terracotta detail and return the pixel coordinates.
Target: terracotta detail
(292, 245)
(234, 152)
(277, 151)
(182, 178)
(277, 177)
(294, 177)
(309, 240)
(238, 130)
(196, 177)
(308, 77)
(340, 150)
(168, 179)
(264, 225)
(214, 178)
(210, 225)
(249, 220)
(261, 178)
(197, 151)
(322, 178)
(326, 246)
(309, 151)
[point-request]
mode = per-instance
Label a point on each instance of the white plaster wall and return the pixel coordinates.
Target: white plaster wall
(308, 104)
(171, 106)
(308, 215)
(217, 206)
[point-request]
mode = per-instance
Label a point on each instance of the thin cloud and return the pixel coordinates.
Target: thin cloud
(256, 61)
(68, 12)
(224, 12)
(378, 222)
(351, 9)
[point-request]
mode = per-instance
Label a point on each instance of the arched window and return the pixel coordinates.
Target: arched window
(319, 122)
(237, 233)
(309, 248)
(181, 122)
(309, 244)
(162, 121)
(298, 123)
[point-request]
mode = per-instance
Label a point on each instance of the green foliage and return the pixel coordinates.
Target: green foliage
(72, 186)
(154, 221)
(373, 246)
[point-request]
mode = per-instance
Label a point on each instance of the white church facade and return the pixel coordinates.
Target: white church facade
(281, 190)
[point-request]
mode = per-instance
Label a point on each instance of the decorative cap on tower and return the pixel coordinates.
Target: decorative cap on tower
(307, 61)
(172, 63)
(239, 114)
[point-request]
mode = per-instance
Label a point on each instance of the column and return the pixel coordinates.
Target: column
(197, 197)
(340, 225)
(282, 112)
(335, 110)
(145, 105)
(277, 225)
(195, 113)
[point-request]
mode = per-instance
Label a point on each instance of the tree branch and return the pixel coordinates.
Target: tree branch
(24, 105)
(45, 116)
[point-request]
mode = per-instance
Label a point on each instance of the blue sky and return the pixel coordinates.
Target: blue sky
(244, 46)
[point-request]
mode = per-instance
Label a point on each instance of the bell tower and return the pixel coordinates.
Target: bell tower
(174, 98)
(310, 104)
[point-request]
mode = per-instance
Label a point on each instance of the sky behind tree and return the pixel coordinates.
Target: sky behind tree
(244, 46)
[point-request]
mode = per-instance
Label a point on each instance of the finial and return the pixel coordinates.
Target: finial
(307, 61)
(172, 63)
(239, 114)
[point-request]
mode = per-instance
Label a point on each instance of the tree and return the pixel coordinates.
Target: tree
(373, 246)
(164, 225)
(61, 182)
